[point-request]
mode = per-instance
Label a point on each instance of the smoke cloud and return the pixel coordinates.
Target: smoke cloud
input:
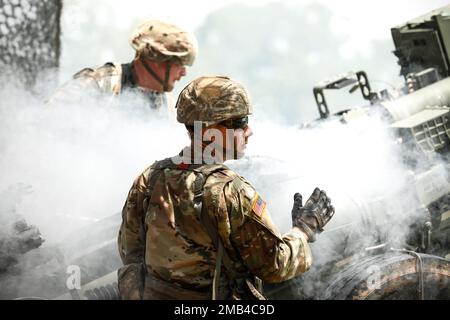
(70, 163)
(378, 197)
(78, 161)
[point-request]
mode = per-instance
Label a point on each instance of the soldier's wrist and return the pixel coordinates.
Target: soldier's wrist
(305, 235)
(303, 227)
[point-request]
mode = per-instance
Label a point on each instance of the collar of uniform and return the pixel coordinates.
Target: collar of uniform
(128, 78)
(129, 81)
(156, 99)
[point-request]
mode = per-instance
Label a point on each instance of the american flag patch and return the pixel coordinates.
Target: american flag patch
(258, 205)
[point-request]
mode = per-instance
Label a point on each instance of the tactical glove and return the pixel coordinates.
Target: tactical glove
(312, 217)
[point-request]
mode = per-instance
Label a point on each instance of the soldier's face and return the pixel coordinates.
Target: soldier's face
(233, 142)
(176, 73)
(241, 139)
(146, 80)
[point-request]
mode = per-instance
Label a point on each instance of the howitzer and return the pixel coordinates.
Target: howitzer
(420, 109)
(418, 115)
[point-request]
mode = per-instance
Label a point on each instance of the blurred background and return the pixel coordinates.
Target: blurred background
(278, 49)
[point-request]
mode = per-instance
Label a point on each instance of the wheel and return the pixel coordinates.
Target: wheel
(392, 276)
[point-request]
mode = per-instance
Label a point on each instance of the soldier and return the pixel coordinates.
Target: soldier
(162, 50)
(193, 230)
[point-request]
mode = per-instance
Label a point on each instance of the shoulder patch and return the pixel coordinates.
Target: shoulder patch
(258, 205)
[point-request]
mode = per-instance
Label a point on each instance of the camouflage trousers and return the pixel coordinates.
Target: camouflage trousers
(137, 284)
(157, 289)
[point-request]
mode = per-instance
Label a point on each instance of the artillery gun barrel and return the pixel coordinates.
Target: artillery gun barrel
(435, 95)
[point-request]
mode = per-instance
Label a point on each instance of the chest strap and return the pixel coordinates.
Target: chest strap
(202, 175)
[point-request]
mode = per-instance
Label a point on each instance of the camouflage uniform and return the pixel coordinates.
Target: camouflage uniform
(167, 234)
(154, 40)
(111, 79)
(164, 244)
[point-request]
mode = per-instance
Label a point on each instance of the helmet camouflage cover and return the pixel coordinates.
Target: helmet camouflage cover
(212, 100)
(160, 41)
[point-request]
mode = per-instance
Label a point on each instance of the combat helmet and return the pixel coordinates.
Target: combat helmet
(161, 41)
(211, 100)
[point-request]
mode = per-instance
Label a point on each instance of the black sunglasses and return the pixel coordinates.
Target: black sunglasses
(238, 123)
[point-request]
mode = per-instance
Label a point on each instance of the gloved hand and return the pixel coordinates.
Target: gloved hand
(312, 217)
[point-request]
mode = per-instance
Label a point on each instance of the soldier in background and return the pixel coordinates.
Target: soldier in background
(162, 50)
(194, 229)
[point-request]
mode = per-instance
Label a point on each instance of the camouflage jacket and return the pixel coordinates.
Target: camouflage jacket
(165, 233)
(110, 79)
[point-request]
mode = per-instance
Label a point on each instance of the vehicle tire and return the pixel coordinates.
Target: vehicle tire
(392, 276)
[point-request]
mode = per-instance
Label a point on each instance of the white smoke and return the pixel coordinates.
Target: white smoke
(355, 163)
(80, 160)
(361, 168)
(77, 158)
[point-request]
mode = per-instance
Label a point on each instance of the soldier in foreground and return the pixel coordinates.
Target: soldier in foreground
(194, 229)
(162, 50)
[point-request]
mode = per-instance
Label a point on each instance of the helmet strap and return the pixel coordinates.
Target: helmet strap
(156, 77)
(166, 79)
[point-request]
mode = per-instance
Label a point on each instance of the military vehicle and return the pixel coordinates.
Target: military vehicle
(355, 267)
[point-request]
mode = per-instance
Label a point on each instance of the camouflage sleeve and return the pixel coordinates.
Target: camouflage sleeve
(269, 255)
(131, 242)
(73, 91)
(131, 238)
(88, 82)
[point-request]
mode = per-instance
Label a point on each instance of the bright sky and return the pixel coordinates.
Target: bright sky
(351, 15)
(360, 21)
